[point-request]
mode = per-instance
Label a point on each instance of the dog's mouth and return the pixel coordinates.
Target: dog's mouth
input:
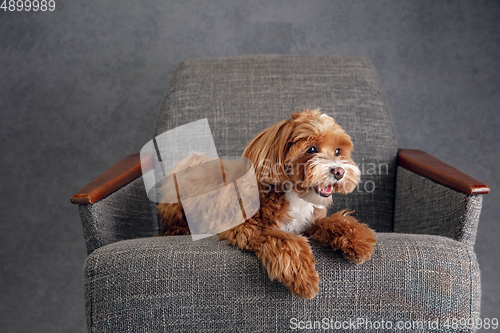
(324, 191)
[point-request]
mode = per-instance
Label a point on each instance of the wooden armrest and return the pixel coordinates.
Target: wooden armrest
(430, 167)
(116, 177)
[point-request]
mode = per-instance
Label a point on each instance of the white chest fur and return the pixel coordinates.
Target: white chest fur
(301, 214)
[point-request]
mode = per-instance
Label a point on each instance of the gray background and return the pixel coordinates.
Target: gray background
(80, 88)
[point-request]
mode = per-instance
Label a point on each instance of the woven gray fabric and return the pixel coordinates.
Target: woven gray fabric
(426, 207)
(124, 214)
(242, 96)
(172, 284)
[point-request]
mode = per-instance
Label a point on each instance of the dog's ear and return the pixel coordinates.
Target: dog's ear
(267, 152)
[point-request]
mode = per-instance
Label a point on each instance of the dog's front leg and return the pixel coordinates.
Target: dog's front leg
(287, 257)
(343, 232)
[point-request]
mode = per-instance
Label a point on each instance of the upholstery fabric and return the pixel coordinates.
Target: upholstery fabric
(426, 207)
(124, 214)
(172, 284)
(244, 95)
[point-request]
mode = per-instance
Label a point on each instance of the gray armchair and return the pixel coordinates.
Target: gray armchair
(423, 273)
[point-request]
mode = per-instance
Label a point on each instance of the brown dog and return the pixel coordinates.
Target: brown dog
(299, 163)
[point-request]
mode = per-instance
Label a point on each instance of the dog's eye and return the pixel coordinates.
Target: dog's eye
(312, 150)
(337, 152)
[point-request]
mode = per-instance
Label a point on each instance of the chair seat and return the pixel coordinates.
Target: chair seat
(211, 286)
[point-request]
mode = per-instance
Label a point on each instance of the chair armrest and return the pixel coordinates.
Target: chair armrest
(114, 178)
(434, 198)
(430, 167)
(115, 205)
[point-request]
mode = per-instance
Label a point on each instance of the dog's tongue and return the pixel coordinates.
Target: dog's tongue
(327, 189)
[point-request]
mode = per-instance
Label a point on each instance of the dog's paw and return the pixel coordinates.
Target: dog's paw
(288, 258)
(359, 243)
(343, 232)
(305, 283)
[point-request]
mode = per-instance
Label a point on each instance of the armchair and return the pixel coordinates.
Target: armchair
(423, 271)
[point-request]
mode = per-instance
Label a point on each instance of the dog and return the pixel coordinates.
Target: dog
(299, 163)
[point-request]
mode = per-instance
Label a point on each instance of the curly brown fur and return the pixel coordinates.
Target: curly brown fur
(173, 219)
(295, 184)
(287, 257)
(343, 232)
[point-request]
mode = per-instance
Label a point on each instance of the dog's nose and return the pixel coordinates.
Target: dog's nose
(338, 173)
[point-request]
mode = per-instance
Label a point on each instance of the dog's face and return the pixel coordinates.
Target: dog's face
(309, 154)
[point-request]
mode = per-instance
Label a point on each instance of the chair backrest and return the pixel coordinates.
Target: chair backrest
(241, 96)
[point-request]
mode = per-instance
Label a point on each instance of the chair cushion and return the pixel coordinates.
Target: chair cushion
(241, 96)
(170, 284)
